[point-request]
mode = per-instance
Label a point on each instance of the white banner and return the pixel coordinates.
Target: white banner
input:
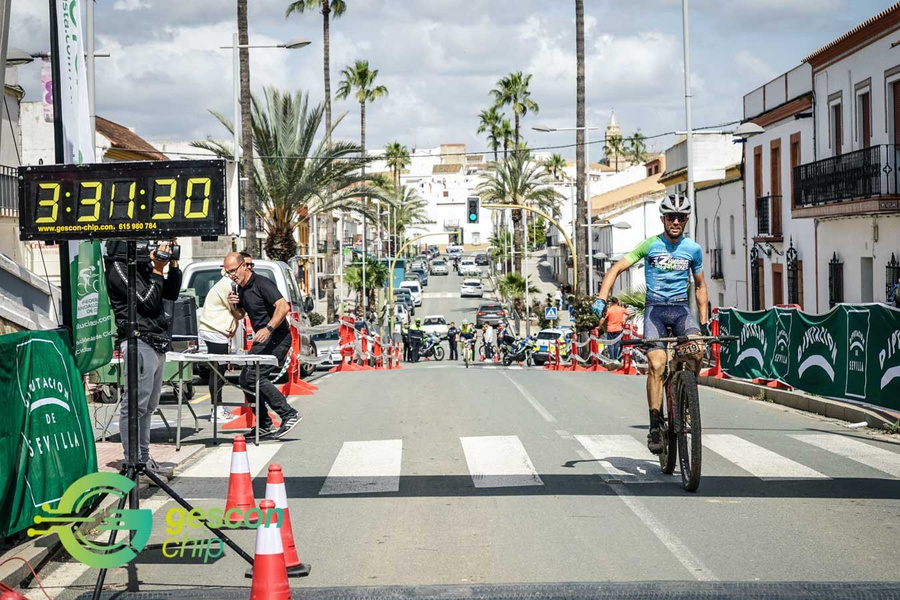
(78, 143)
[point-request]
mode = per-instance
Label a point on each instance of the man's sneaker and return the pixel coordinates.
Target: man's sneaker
(162, 473)
(224, 416)
(288, 424)
(266, 431)
(654, 440)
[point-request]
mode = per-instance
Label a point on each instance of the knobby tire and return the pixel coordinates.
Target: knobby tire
(688, 429)
(669, 454)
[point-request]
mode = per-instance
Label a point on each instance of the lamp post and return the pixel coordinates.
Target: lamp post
(234, 47)
(587, 184)
(590, 226)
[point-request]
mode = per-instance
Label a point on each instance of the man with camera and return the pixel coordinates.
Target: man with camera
(259, 299)
(152, 286)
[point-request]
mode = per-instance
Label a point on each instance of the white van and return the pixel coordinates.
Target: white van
(454, 249)
(415, 289)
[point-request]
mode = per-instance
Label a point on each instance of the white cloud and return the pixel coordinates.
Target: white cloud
(753, 68)
(129, 5)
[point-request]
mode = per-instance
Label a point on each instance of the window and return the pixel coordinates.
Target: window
(757, 281)
(795, 160)
(717, 235)
(835, 281)
(835, 128)
(775, 169)
(706, 234)
(731, 227)
(757, 173)
(777, 284)
(864, 118)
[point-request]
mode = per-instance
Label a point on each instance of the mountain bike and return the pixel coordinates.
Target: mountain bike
(680, 412)
(468, 351)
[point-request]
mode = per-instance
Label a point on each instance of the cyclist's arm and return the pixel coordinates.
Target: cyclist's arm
(702, 297)
(623, 265)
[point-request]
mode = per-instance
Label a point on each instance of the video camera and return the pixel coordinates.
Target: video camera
(118, 250)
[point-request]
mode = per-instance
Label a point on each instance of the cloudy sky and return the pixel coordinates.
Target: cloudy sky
(440, 58)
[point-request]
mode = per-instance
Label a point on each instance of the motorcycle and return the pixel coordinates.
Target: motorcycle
(519, 351)
(432, 348)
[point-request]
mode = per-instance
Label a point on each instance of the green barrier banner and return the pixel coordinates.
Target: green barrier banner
(46, 440)
(91, 312)
(850, 353)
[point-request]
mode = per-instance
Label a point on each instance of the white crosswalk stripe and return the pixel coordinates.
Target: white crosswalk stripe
(437, 295)
(623, 458)
(757, 460)
(365, 468)
(856, 450)
(499, 461)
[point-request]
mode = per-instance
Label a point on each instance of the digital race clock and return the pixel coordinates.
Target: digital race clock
(136, 200)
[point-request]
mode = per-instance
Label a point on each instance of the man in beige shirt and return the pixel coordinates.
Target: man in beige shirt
(216, 327)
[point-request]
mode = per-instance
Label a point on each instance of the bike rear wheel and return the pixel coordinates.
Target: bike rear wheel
(688, 429)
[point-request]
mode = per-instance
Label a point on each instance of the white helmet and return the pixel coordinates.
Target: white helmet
(675, 203)
(465, 321)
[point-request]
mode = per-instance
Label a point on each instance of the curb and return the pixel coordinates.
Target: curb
(834, 409)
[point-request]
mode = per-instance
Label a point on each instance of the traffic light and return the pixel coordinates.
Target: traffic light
(473, 210)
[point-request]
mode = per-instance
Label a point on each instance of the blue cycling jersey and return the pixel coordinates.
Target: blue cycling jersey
(667, 267)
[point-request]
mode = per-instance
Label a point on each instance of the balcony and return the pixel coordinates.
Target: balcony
(716, 259)
(868, 178)
(768, 218)
(9, 192)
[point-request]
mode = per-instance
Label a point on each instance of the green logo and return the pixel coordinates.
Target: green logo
(80, 494)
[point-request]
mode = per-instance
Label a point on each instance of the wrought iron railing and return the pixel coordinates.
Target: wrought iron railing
(891, 274)
(9, 192)
(768, 216)
(865, 173)
(716, 259)
(835, 281)
(756, 270)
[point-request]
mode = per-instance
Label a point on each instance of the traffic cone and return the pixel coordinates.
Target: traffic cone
(275, 491)
(240, 488)
(270, 579)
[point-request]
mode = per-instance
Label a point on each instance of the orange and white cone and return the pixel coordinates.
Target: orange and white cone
(276, 492)
(270, 580)
(240, 487)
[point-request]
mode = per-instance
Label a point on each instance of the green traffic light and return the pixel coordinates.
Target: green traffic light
(473, 217)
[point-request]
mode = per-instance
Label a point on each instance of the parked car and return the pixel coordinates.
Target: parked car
(325, 345)
(481, 259)
(471, 287)
(434, 249)
(401, 313)
(405, 296)
(415, 289)
(545, 338)
(435, 324)
(454, 249)
(439, 267)
(468, 268)
(201, 276)
(418, 264)
(490, 312)
(423, 275)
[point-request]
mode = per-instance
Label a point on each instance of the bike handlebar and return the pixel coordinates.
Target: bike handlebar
(682, 339)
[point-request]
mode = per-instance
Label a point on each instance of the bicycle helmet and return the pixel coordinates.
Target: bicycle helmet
(465, 321)
(675, 203)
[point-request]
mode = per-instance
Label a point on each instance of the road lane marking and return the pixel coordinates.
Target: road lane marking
(759, 461)
(208, 476)
(438, 295)
(856, 450)
(623, 458)
(499, 461)
(365, 468)
(532, 400)
(200, 399)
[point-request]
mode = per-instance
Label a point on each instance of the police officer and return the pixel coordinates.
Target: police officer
(452, 333)
(407, 345)
(152, 286)
(415, 336)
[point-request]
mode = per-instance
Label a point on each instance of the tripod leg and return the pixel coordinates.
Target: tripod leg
(184, 503)
(101, 576)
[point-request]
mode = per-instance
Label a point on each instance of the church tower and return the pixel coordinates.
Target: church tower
(612, 129)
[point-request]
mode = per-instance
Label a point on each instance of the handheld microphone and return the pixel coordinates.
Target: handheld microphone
(234, 290)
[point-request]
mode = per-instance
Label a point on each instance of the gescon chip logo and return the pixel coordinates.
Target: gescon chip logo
(180, 523)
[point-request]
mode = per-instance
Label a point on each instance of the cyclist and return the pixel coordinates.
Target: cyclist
(669, 260)
(466, 335)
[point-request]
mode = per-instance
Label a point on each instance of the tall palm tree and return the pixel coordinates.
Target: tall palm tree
(614, 147)
(407, 207)
(581, 206)
(519, 181)
(294, 170)
(376, 276)
(246, 128)
(397, 157)
(330, 9)
(359, 80)
(505, 134)
(555, 165)
(637, 148)
(513, 91)
(489, 122)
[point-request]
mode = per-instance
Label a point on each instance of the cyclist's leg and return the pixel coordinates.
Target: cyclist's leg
(687, 325)
(654, 327)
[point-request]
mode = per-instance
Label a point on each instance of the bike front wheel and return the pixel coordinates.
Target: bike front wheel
(438, 353)
(688, 429)
(669, 452)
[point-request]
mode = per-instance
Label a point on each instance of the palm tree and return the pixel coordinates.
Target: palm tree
(581, 207)
(332, 9)
(614, 147)
(246, 128)
(637, 148)
(518, 181)
(505, 134)
(361, 78)
(512, 287)
(490, 119)
(555, 165)
(513, 91)
(397, 156)
(294, 171)
(376, 276)
(408, 207)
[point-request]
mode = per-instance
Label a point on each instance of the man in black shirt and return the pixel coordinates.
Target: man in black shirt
(452, 334)
(259, 299)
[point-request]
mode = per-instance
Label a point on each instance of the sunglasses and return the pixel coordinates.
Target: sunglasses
(679, 217)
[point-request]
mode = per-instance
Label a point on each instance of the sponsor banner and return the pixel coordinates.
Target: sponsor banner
(851, 352)
(91, 313)
(46, 441)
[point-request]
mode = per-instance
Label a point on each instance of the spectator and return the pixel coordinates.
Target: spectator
(407, 346)
(416, 336)
(216, 327)
(895, 295)
(259, 299)
(558, 298)
(152, 286)
(452, 334)
(615, 319)
(488, 342)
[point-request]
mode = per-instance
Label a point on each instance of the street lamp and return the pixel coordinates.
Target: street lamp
(587, 184)
(293, 44)
(16, 57)
(620, 225)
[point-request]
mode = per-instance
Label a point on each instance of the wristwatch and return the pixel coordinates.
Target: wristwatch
(270, 328)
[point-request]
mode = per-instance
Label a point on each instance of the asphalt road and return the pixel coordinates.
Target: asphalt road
(435, 474)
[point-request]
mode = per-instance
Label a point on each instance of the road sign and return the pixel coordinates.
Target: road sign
(550, 313)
